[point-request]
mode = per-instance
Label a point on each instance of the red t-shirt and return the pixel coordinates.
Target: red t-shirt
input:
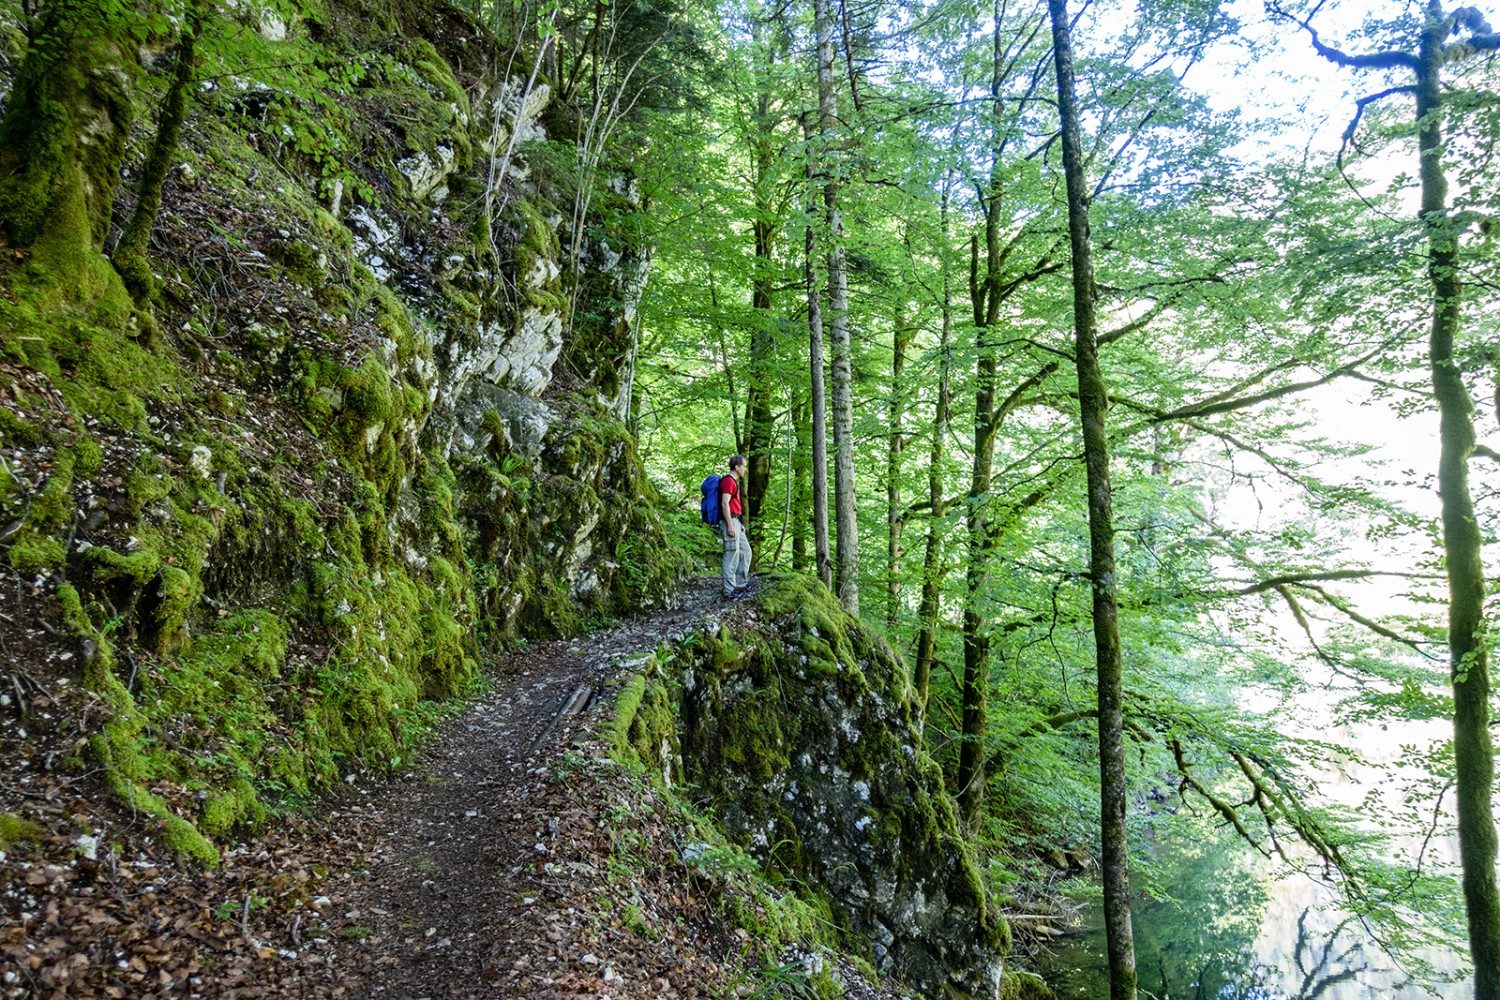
(731, 489)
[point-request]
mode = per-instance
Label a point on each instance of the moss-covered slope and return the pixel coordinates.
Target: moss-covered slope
(274, 517)
(799, 724)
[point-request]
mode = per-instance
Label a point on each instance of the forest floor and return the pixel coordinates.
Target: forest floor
(513, 859)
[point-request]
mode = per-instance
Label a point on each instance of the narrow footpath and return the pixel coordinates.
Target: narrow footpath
(489, 872)
(513, 858)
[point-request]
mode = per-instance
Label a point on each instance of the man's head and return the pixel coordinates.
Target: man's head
(736, 465)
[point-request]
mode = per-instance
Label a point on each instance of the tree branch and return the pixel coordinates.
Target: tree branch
(1205, 408)
(1375, 60)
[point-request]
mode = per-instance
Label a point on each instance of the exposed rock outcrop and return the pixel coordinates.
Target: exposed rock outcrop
(800, 726)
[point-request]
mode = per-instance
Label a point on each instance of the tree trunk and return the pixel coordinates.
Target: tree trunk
(984, 296)
(758, 417)
(932, 576)
(802, 487)
(130, 253)
(815, 372)
(845, 515)
(1093, 401)
(976, 635)
(894, 520)
(1473, 752)
(61, 142)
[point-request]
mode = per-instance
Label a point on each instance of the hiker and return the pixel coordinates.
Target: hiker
(736, 575)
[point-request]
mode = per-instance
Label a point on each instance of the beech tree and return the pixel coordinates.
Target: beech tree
(1093, 404)
(1423, 62)
(845, 513)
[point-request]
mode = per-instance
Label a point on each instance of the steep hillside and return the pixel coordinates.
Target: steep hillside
(363, 423)
(286, 471)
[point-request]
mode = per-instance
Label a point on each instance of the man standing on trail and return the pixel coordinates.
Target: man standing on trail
(736, 576)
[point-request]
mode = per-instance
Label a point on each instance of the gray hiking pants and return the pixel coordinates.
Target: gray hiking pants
(736, 557)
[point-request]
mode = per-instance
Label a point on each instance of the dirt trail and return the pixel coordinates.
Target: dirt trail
(479, 852)
(515, 859)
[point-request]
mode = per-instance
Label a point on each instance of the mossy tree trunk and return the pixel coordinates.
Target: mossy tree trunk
(1462, 541)
(63, 136)
(130, 253)
(1093, 403)
(1473, 752)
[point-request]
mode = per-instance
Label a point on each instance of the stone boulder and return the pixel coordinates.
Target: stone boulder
(802, 730)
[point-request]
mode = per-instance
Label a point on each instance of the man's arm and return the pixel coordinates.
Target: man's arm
(725, 516)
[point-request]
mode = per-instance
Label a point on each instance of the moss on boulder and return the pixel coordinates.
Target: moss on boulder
(802, 731)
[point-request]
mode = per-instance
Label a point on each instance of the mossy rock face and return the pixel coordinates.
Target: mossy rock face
(567, 536)
(265, 520)
(803, 732)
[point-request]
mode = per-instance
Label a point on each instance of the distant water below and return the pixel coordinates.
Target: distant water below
(1226, 925)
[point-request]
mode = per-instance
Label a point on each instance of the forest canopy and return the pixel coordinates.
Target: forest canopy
(1278, 213)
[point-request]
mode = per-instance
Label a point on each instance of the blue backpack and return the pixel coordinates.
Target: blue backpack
(710, 507)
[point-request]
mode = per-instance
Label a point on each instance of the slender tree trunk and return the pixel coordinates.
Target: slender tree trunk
(1093, 401)
(130, 257)
(984, 296)
(758, 417)
(932, 575)
(845, 516)
(802, 485)
(976, 635)
(815, 371)
(1473, 752)
(894, 520)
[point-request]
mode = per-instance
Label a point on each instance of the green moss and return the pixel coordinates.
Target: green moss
(236, 808)
(367, 392)
(107, 565)
(54, 508)
(122, 773)
(421, 54)
(1024, 986)
(645, 721)
(327, 229)
(184, 838)
(15, 430)
(16, 830)
(64, 130)
(301, 261)
(536, 255)
(177, 594)
(32, 553)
